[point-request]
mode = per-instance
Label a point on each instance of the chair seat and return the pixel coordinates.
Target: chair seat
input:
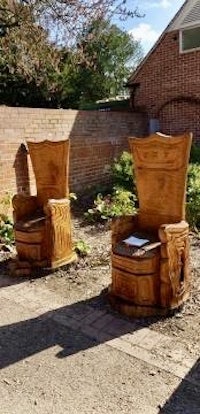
(32, 223)
(148, 250)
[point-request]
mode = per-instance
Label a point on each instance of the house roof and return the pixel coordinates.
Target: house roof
(187, 16)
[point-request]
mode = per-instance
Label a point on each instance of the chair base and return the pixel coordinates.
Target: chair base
(20, 267)
(64, 261)
(132, 310)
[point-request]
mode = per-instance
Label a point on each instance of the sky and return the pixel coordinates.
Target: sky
(158, 13)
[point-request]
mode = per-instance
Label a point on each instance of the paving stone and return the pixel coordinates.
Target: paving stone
(180, 354)
(137, 336)
(8, 284)
(93, 316)
(66, 321)
(103, 321)
(151, 339)
(118, 327)
(21, 300)
(89, 331)
(75, 313)
(93, 333)
(163, 341)
(33, 300)
(9, 314)
(146, 356)
(172, 350)
(189, 362)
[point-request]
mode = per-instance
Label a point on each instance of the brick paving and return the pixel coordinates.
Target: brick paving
(158, 350)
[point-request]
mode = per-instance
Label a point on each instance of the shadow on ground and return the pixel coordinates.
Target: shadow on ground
(26, 338)
(186, 398)
(21, 340)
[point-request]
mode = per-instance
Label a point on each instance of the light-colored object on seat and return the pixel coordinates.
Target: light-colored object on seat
(155, 278)
(42, 223)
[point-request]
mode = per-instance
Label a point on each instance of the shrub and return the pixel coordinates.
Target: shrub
(120, 202)
(193, 196)
(5, 204)
(123, 172)
(6, 230)
(195, 154)
(82, 248)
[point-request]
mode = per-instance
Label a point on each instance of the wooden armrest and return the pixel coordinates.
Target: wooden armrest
(122, 227)
(59, 200)
(174, 271)
(168, 231)
(23, 205)
(58, 228)
(58, 207)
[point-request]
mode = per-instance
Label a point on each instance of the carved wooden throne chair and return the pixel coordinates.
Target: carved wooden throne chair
(150, 272)
(42, 223)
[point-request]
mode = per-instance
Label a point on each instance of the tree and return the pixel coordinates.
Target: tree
(27, 66)
(65, 17)
(28, 61)
(104, 57)
(31, 59)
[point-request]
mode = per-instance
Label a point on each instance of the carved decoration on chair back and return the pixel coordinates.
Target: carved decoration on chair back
(160, 169)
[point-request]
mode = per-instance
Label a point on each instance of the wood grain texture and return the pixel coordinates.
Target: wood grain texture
(157, 280)
(161, 170)
(142, 289)
(145, 265)
(132, 310)
(42, 223)
(23, 205)
(122, 227)
(58, 229)
(50, 162)
(174, 269)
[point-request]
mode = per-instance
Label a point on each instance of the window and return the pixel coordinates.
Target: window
(190, 39)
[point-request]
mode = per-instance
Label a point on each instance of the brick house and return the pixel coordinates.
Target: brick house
(166, 84)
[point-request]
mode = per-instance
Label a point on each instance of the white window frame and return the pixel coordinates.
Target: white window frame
(183, 29)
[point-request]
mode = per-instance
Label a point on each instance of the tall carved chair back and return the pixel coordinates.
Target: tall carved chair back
(50, 161)
(160, 163)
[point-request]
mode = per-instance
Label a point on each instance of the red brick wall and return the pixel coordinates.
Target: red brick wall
(96, 138)
(170, 87)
